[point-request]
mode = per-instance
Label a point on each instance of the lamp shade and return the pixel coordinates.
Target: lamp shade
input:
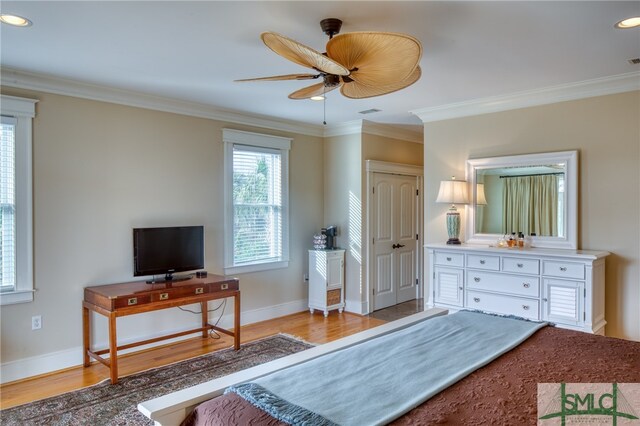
(480, 198)
(453, 192)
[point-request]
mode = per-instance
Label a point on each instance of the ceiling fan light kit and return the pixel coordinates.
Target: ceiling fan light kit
(362, 64)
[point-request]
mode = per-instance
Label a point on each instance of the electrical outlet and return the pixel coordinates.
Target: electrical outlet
(36, 322)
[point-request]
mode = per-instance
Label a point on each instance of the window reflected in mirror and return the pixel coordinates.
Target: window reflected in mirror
(527, 199)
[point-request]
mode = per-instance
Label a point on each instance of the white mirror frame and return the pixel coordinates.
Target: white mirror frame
(570, 240)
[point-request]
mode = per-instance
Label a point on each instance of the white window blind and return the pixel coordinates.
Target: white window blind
(7, 204)
(256, 202)
(16, 199)
(257, 205)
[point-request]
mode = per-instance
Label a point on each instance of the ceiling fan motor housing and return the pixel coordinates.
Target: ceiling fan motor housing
(331, 26)
(331, 80)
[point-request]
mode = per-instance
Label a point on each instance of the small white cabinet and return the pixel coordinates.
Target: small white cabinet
(326, 280)
(565, 287)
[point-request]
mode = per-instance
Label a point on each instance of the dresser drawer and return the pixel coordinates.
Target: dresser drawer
(449, 259)
(521, 265)
(501, 304)
(519, 285)
(563, 269)
(478, 261)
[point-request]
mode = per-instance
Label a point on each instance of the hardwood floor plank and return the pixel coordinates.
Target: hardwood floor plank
(314, 328)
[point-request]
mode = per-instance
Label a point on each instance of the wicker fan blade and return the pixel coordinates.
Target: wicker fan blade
(356, 90)
(283, 77)
(309, 91)
(301, 54)
(380, 58)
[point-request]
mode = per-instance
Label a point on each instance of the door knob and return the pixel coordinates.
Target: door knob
(395, 246)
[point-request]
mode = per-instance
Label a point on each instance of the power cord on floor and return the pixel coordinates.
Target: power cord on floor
(212, 332)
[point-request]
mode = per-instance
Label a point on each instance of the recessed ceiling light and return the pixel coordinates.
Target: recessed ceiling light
(15, 20)
(629, 23)
(317, 98)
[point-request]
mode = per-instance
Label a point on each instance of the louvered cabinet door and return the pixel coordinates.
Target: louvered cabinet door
(448, 286)
(563, 301)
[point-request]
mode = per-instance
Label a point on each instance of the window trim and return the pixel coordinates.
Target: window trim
(23, 110)
(232, 137)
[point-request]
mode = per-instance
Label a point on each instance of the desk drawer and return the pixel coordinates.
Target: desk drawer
(478, 261)
(562, 269)
(449, 259)
(131, 300)
(521, 265)
(520, 285)
(507, 305)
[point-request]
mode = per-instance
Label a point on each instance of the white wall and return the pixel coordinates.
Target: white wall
(345, 195)
(101, 169)
(606, 132)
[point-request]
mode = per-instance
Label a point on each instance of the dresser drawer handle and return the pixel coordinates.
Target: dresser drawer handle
(525, 307)
(476, 299)
(520, 265)
(448, 259)
(482, 262)
(563, 268)
(476, 279)
(526, 285)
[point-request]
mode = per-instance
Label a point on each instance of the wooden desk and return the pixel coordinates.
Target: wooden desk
(122, 299)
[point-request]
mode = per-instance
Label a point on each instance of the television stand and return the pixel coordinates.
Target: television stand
(122, 299)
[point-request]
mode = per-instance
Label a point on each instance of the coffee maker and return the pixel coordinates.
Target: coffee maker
(331, 232)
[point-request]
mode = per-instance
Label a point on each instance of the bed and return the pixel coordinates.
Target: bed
(503, 391)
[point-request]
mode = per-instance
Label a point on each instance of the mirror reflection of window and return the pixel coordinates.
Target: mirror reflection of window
(530, 204)
(528, 199)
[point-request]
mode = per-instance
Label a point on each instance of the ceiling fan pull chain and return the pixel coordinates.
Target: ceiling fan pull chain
(324, 105)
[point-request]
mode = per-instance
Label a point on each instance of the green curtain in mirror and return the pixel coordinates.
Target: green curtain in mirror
(531, 204)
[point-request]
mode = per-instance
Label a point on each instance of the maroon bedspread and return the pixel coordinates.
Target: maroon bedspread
(503, 392)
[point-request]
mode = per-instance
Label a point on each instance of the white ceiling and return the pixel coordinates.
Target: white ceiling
(193, 51)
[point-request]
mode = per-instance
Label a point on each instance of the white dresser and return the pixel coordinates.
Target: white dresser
(326, 280)
(565, 287)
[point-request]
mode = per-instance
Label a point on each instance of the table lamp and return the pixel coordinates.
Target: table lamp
(455, 192)
(481, 200)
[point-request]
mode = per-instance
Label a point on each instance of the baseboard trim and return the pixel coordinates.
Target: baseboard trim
(356, 307)
(72, 357)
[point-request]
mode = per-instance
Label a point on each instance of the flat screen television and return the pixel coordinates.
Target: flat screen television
(167, 250)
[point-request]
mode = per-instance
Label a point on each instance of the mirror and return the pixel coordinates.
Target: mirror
(532, 194)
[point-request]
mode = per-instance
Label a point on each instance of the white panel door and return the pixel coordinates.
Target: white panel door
(394, 223)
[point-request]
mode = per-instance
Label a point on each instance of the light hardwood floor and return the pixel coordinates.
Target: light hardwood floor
(312, 328)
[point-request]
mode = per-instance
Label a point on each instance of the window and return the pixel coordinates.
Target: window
(16, 216)
(256, 201)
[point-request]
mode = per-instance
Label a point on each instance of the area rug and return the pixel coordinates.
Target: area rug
(106, 404)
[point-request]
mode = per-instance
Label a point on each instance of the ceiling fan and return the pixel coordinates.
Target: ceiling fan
(362, 64)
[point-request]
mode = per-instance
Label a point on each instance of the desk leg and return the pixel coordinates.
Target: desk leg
(204, 307)
(113, 350)
(86, 336)
(236, 322)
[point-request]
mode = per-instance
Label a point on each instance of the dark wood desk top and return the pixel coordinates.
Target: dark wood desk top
(131, 297)
(113, 291)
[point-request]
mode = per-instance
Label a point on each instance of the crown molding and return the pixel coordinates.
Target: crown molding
(59, 86)
(341, 129)
(565, 92)
(371, 128)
